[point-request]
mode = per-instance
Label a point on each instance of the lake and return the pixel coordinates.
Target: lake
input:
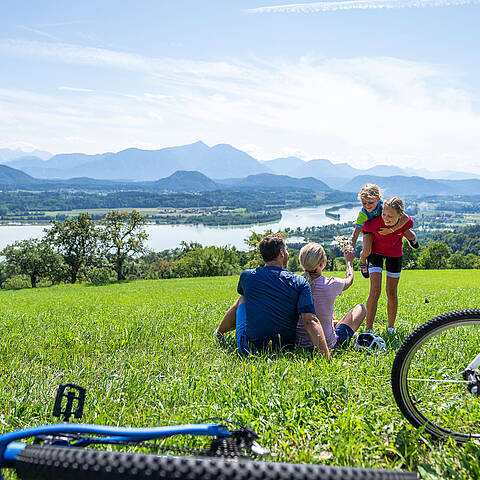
(161, 237)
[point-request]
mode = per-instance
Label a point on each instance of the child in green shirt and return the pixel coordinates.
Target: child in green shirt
(372, 204)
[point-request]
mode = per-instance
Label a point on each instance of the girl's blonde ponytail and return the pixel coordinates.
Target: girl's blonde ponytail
(310, 257)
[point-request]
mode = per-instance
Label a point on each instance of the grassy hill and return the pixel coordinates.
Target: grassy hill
(145, 352)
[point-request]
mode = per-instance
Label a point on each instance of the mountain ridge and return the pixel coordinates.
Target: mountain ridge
(145, 165)
(217, 162)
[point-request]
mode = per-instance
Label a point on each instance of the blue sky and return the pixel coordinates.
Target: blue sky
(348, 81)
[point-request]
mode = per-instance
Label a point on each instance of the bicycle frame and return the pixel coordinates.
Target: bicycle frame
(10, 447)
(475, 363)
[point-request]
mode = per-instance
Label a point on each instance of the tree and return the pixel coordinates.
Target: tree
(293, 263)
(207, 262)
(411, 257)
(163, 268)
(462, 261)
(4, 274)
(434, 256)
(76, 239)
(123, 234)
(34, 258)
(253, 241)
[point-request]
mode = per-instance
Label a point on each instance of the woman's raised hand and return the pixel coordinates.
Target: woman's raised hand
(349, 256)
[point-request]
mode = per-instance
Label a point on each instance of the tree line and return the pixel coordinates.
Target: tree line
(77, 246)
(252, 199)
(78, 249)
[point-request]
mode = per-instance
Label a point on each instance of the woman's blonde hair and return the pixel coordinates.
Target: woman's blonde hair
(310, 257)
(370, 190)
(396, 203)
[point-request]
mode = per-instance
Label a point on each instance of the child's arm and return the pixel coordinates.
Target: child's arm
(401, 222)
(355, 235)
(361, 219)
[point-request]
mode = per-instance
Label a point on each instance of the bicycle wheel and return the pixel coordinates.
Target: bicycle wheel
(38, 462)
(427, 380)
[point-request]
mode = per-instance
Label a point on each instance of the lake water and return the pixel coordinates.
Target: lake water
(161, 237)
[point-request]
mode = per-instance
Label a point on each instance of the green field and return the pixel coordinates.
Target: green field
(146, 354)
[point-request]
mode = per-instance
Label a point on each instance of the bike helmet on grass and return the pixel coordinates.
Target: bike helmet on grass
(370, 342)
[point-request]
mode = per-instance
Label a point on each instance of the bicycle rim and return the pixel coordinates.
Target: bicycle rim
(427, 376)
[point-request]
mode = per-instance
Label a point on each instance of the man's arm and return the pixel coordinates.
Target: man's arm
(315, 332)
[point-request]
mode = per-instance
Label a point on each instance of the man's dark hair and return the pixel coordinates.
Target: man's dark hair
(271, 245)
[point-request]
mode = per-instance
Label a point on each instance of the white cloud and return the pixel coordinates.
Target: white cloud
(37, 32)
(316, 7)
(75, 89)
(80, 55)
(360, 110)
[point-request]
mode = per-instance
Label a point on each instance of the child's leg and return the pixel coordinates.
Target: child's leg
(392, 300)
(367, 247)
(373, 296)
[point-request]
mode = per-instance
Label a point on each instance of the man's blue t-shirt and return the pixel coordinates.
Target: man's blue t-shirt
(274, 297)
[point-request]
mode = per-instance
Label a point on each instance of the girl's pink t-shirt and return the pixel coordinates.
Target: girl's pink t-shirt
(386, 245)
(325, 291)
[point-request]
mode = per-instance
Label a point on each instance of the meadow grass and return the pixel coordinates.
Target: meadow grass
(145, 352)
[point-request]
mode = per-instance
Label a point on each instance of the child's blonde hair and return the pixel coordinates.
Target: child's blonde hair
(370, 190)
(310, 257)
(396, 203)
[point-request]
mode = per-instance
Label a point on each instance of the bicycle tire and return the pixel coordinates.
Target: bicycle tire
(37, 462)
(440, 349)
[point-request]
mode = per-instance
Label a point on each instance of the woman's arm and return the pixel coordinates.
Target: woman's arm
(315, 332)
(348, 270)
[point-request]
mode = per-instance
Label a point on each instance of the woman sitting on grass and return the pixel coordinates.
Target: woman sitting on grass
(325, 290)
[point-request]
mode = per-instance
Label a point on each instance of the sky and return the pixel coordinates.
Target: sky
(360, 81)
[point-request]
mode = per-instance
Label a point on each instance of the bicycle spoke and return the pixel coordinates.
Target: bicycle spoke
(410, 379)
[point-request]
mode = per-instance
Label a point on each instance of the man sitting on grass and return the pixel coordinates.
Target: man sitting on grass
(271, 300)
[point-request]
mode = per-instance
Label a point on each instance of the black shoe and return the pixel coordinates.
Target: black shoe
(413, 243)
(364, 270)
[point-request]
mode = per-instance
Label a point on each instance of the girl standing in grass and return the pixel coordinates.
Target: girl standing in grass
(372, 205)
(386, 248)
(325, 290)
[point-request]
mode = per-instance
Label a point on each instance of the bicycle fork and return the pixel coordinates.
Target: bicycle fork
(470, 374)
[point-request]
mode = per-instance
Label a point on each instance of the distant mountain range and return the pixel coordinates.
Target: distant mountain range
(198, 167)
(269, 180)
(217, 162)
(133, 164)
(338, 174)
(12, 177)
(180, 181)
(415, 186)
(193, 181)
(8, 155)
